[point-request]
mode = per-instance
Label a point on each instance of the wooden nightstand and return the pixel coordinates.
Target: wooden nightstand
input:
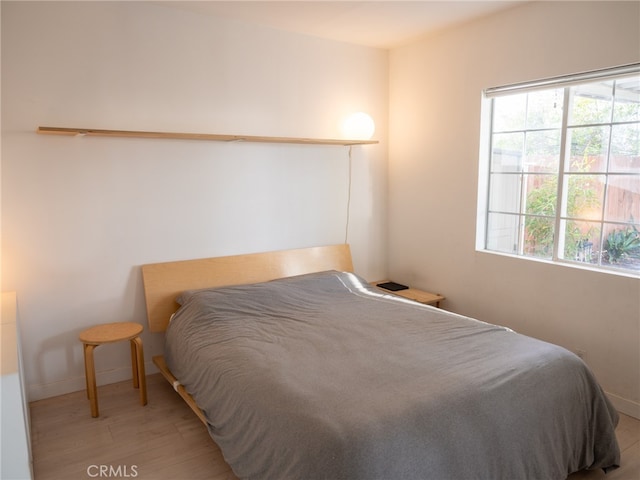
(110, 333)
(414, 294)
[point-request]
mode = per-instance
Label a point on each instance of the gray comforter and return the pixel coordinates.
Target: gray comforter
(323, 376)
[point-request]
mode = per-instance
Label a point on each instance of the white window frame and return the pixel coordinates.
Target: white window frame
(486, 125)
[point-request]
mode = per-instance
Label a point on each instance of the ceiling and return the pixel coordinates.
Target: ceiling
(381, 24)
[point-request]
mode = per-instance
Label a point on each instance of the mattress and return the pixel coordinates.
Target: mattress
(322, 376)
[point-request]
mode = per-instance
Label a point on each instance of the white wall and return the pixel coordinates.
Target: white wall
(435, 91)
(80, 215)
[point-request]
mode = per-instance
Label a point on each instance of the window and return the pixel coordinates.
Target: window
(560, 170)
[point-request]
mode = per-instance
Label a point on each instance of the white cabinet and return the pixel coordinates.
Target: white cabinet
(14, 410)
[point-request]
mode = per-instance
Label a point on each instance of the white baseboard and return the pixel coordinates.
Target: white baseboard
(625, 406)
(39, 391)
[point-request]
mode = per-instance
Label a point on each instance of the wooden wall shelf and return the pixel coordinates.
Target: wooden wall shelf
(200, 136)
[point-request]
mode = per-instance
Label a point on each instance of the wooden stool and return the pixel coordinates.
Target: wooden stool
(109, 333)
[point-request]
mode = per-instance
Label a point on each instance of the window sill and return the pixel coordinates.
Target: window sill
(560, 263)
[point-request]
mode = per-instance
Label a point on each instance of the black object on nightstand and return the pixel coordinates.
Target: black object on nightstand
(392, 286)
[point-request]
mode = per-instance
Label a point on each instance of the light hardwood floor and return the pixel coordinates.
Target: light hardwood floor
(165, 439)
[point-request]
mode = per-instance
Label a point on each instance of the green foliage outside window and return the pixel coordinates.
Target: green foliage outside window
(581, 196)
(621, 244)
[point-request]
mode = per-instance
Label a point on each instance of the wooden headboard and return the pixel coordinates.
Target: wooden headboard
(163, 282)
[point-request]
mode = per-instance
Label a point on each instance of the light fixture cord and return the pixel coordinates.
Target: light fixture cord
(346, 231)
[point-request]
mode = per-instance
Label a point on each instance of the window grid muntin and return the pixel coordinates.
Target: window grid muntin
(561, 195)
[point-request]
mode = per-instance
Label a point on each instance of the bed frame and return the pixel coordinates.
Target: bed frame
(163, 282)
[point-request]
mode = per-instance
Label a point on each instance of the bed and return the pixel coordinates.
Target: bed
(302, 370)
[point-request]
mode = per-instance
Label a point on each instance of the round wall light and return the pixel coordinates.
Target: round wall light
(358, 126)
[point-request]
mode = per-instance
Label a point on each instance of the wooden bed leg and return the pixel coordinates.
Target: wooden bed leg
(180, 390)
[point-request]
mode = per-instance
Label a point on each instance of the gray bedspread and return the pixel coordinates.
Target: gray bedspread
(323, 376)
